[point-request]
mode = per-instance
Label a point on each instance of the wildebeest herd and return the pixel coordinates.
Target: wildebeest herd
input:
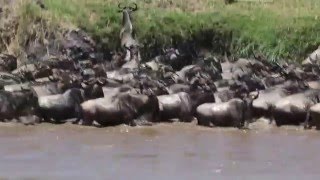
(170, 87)
(180, 84)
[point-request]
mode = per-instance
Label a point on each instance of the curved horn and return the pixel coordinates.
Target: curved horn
(135, 7)
(101, 82)
(120, 6)
(51, 78)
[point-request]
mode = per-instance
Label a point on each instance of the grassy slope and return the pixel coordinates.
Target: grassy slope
(282, 29)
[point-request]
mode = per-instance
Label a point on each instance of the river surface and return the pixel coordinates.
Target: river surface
(164, 151)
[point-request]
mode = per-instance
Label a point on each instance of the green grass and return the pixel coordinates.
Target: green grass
(288, 29)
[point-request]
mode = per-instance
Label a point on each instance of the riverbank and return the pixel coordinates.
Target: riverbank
(287, 29)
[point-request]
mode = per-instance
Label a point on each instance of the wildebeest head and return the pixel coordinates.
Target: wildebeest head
(93, 88)
(126, 17)
(200, 96)
(25, 102)
(66, 80)
(247, 109)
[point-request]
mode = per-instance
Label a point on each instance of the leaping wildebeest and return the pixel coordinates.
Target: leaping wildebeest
(128, 41)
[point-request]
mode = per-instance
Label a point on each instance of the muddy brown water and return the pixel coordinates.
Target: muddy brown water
(164, 151)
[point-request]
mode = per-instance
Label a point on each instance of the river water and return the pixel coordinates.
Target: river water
(164, 151)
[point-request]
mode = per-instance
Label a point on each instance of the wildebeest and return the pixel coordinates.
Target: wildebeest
(233, 113)
(267, 99)
(293, 109)
(61, 106)
(182, 105)
(123, 108)
(15, 104)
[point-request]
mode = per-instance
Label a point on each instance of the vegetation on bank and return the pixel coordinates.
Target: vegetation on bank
(287, 29)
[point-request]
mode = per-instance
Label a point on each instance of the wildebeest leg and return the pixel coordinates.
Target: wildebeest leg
(240, 125)
(79, 114)
(270, 112)
(44, 118)
(271, 119)
(87, 121)
(87, 117)
(185, 117)
(307, 121)
(128, 117)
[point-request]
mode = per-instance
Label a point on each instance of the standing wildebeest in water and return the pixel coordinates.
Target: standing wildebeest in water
(127, 36)
(293, 109)
(16, 104)
(122, 108)
(233, 113)
(61, 106)
(183, 105)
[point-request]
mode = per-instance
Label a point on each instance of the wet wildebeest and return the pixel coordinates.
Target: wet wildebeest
(15, 104)
(293, 109)
(61, 106)
(123, 108)
(233, 113)
(182, 105)
(266, 100)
